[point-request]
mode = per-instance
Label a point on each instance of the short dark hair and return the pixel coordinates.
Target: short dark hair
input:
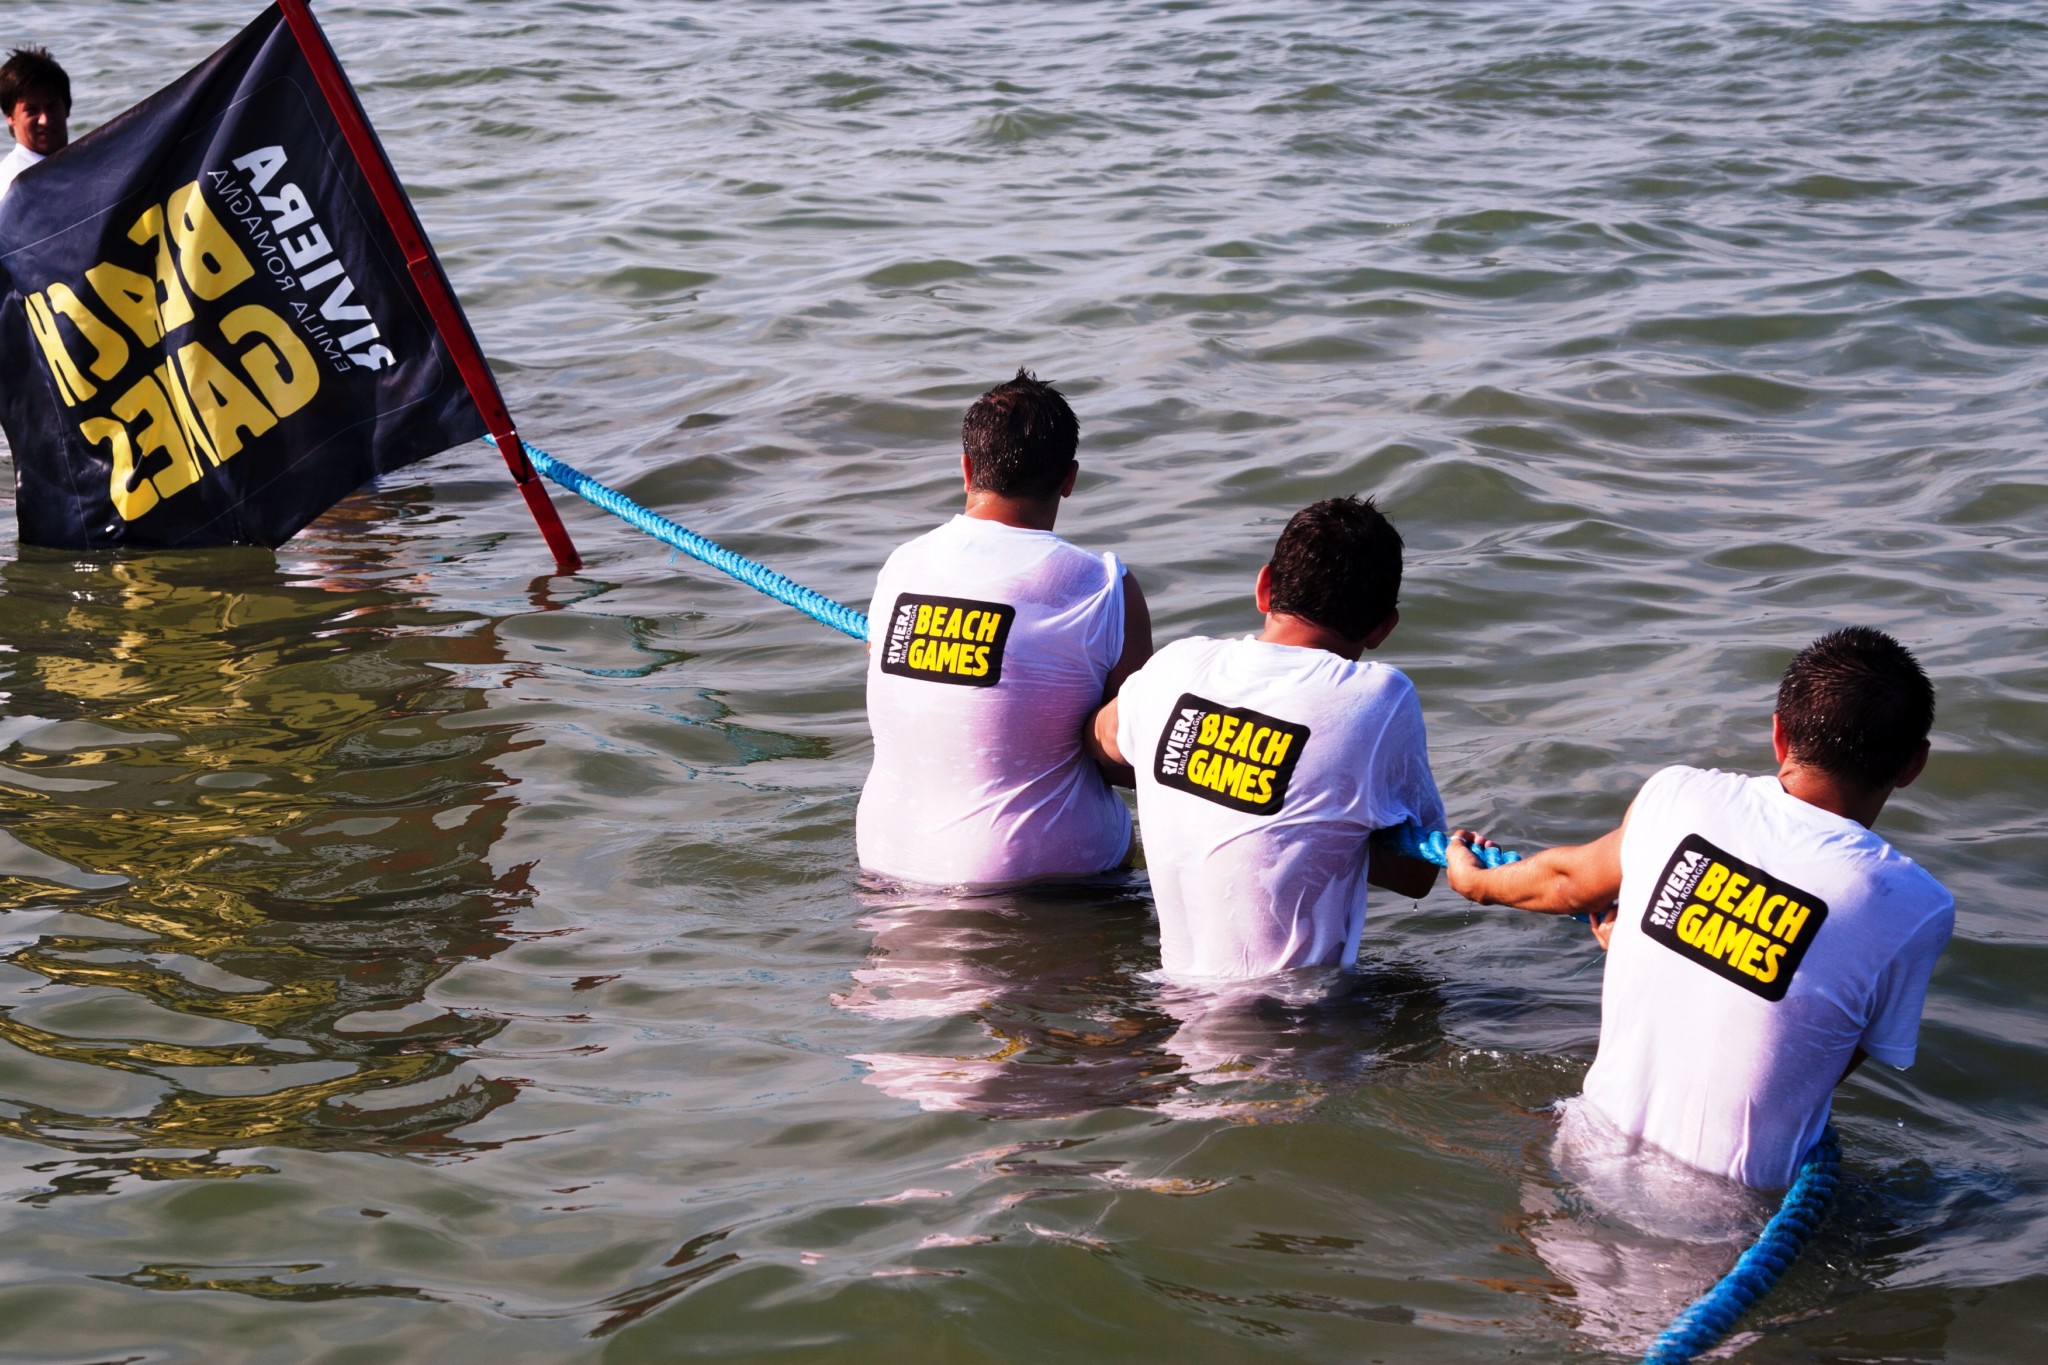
(1338, 564)
(32, 68)
(1019, 438)
(1856, 704)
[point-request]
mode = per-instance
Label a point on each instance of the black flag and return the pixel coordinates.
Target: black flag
(208, 329)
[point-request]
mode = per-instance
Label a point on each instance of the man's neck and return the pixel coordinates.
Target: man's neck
(1283, 629)
(1831, 794)
(1026, 514)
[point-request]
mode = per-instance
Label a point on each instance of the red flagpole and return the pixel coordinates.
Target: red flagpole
(427, 276)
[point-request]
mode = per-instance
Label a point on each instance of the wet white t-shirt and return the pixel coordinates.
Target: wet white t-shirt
(989, 649)
(1760, 942)
(14, 163)
(1262, 771)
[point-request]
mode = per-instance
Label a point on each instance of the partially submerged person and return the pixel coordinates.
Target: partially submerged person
(35, 94)
(1765, 940)
(1266, 764)
(993, 642)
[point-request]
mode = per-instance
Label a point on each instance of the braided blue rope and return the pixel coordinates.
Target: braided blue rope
(1431, 846)
(760, 577)
(1699, 1328)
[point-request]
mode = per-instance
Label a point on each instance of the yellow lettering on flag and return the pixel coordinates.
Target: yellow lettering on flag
(72, 385)
(207, 256)
(278, 363)
(188, 417)
(161, 433)
(173, 305)
(131, 296)
(224, 403)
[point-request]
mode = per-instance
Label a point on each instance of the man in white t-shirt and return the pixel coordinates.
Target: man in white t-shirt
(35, 94)
(1763, 940)
(993, 640)
(1266, 764)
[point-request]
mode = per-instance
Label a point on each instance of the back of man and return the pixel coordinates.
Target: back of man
(1761, 941)
(1264, 765)
(993, 640)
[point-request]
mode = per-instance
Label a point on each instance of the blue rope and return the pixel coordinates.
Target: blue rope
(1699, 1328)
(760, 577)
(1412, 841)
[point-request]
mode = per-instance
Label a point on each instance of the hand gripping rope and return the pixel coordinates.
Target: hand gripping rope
(760, 577)
(1411, 841)
(1699, 1327)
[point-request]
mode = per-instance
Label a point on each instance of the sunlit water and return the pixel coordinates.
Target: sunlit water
(408, 955)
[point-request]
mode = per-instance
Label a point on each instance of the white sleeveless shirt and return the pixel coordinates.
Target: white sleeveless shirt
(1262, 770)
(989, 649)
(1760, 942)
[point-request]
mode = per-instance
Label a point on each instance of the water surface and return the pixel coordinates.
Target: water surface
(410, 955)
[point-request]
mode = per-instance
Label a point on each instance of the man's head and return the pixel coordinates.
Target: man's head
(1856, 705)
(35, 94)
(1338, 566)
(1019, 439)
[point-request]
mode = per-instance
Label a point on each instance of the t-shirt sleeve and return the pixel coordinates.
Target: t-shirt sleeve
(1646, 811)
(1129, 702)
(1894, 1028)
(1406, 788)
(1109, 626)
(883, 599)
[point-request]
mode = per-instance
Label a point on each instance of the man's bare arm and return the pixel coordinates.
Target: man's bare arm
(1137, 637)
(1583, 878)
(1099, 733)
(1137, 649)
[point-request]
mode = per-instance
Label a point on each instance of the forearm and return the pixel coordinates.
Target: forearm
(1558, 881)
(1547, 883)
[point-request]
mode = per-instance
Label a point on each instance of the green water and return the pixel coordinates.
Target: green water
(411, 956)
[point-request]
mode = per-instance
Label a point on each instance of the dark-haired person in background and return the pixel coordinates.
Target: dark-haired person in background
(992, 642)
(1765, 939)
(1265, 764)
(35, 94)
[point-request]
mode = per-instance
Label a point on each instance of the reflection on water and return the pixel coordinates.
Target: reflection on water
(1632, 1235)
(1666, 340)
(1271, 1047)
(1041, 975)
(1055, 984)
(250, 820)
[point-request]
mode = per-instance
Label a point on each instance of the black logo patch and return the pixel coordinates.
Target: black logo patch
(1226, 754)
(947, 640)
(1734, 919)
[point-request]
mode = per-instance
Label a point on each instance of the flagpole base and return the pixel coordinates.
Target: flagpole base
(537, 502)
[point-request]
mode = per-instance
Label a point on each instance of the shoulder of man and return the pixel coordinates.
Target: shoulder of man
(1372, 692)
(912, 545)
(1901, 878)
(1176, 657)
(1683, 782)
